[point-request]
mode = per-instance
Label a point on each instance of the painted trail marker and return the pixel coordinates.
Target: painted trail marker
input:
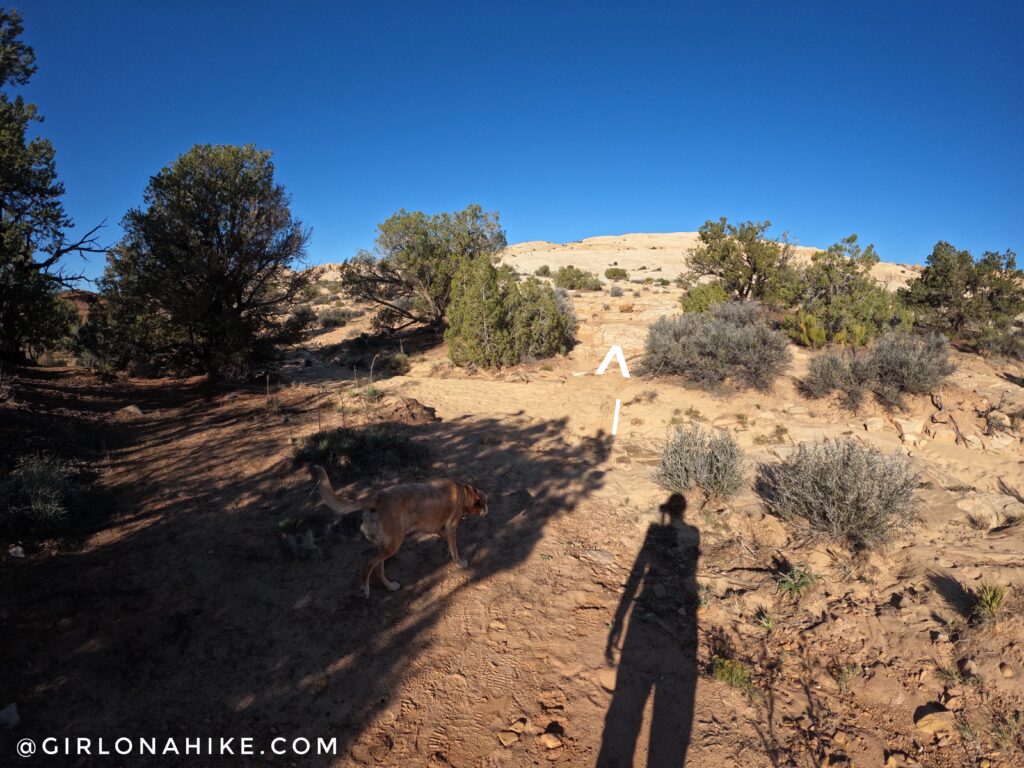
(615, 353)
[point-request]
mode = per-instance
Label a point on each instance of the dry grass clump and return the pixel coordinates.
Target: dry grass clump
(730, 341)
(843, 489)
(34, 497)
(707, 459)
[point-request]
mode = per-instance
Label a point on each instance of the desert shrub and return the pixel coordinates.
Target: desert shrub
(706, 459)
(701, 298)
(897, 364)
(495, 321)
(747, 263)
(966, 298)
(843, 489)
(301, 318)
(1005, 342)
(205, 274)
(360, 451)
(840, 302)
(394, 363)
(543, 271)
(571, 278)
(334, 318)
(909, 363)
(416, 257)
(851, 374)
(615, 292)
(616, 273)
(34, 496)
(731, 341)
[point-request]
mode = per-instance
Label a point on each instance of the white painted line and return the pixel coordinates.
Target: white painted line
(615, 421)
(615, 353)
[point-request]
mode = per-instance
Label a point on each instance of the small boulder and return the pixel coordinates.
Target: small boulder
(934, 718)
(549, 741)
(874, 424)
(508, 738)
(910, 430)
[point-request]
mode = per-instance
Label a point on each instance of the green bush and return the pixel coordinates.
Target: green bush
(747, 263)
(731, 341)
(416, 257)
(204, 276)
(966, 298)
(840, 302)
(495, 321)
(702, 297)
(844, 490)
(360, 451)
(571, 278)
(616, 273)
(543, 271)
(709, 460)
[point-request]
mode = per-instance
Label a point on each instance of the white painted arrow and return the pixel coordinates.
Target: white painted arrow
(615, 353)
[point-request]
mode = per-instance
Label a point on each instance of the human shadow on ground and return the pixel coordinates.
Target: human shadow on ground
(187, 620)
(658, 658)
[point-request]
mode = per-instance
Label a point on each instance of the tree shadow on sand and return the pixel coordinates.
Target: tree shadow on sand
(190, 621)
(659, 653)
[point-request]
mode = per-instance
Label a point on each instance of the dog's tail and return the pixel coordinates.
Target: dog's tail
(348, 515)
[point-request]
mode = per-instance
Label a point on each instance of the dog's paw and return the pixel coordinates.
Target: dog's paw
(463, 563)
(393, 586)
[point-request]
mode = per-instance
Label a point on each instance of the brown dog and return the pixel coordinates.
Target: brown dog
(388, 516)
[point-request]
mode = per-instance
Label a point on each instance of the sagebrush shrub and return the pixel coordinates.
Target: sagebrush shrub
(843, 489)
(898, 363)
(359, 451)
(701, 298)
(1007, 342)
(576, 279)
(730, 341)
(615, 292)
(909, 363)
(335, 318)
(706, 459)
(301, 318)
(851, 374)
(616, 273)
(543, 271)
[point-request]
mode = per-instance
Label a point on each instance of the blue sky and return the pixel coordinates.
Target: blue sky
(901, 121)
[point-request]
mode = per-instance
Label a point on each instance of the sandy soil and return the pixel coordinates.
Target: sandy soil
(584, 625)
